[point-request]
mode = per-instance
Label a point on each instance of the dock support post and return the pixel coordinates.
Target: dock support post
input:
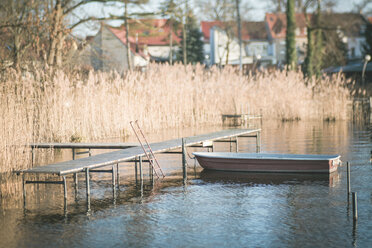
(117, 175)
(184, 167)
(113, 177)
(150, 170)
(140, 168)
(355, 206)
(24, 190)
(90, 153)
(135, 170)
(32, 156)
(230, 145)
(73, 153)
(76, 183)
(87, 183)
(237, 144)
(65, 191)
(258, 141)
(348, 179)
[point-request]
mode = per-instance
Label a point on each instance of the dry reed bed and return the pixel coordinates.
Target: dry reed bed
(37, 107)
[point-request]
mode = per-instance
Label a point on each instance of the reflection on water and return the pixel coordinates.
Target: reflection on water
(214, 209)
(269, 178)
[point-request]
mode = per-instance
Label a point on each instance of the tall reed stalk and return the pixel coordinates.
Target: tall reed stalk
(63, 107)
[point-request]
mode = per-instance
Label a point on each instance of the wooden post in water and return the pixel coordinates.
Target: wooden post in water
(140, 168)
(230, 145)
(135, 169)
(355, 206)
(117, 175)
(258, 141)
(73, 154)
(113, 177)
(65, 192)
(237, 145)
(32, 157)
(87, 183)
(348, 179)
(76, 182)
(184, 167)
(24, 189)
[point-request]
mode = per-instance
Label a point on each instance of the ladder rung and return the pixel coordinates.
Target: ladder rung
(146, 148)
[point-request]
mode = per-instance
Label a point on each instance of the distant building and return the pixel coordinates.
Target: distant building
(221, 43)
(149, 41)
(349, 26)
(276, 24)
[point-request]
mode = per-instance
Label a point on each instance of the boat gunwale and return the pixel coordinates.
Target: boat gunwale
(325, 157)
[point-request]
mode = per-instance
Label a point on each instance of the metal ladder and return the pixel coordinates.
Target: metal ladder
(147, 149)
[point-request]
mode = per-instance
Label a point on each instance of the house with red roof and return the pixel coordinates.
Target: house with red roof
(349, 26)
(221, 42)
(149, 40)
(276, 24)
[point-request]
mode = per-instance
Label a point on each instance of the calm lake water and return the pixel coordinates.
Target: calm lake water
(212, 209)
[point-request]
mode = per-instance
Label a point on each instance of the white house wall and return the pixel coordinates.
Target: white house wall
(355, 47)
(109, 53)
(222, 46)
(161, 51)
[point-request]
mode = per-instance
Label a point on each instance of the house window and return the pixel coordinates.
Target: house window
(352, 52)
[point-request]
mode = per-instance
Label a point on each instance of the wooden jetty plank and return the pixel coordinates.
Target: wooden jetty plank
(84, 145)
(105, 159)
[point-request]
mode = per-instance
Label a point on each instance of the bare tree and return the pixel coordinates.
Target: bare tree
(224, 12)
(19, 26)
(363, 7)
(48, 23)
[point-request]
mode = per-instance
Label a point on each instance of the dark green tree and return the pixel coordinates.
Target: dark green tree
(313, 61)
(291, 51)
(194, 43)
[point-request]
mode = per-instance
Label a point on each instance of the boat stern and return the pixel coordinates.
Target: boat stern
(334, 163)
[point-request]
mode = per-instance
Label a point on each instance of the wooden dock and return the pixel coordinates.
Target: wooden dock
(239, 119)
(76, 146)
(128, 153)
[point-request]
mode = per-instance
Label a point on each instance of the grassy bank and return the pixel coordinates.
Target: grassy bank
(38, 107)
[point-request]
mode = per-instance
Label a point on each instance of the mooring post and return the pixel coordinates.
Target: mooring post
(87, 183)
(184, 167)
(150, 169)
(73, 153)
(258, 141)
(140, 168)
(355, 206)
(237, 144)
(32, 156)
(24, 189)
(113, 177)
(65, 190)
(135, 169)
(230, 145)
(348, 179)
(90, 153)
(117, 175)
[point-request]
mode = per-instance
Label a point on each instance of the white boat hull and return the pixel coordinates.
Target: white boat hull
(264, 162)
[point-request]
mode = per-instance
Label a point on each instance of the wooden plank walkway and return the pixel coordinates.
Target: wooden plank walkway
(116, 157)
(83, 145)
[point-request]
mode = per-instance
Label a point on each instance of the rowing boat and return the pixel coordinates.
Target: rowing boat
(268, 162)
